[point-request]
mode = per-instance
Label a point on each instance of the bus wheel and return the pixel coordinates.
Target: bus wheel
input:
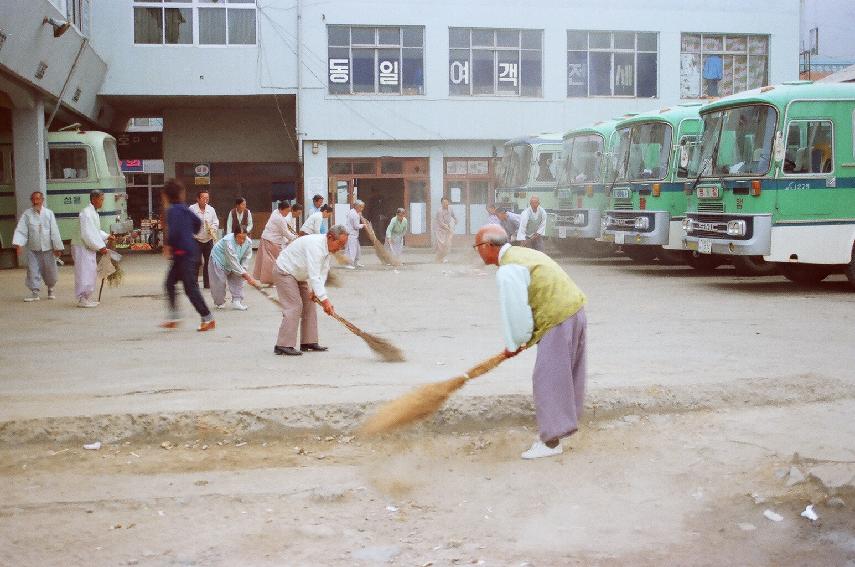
(849, 269)
(641, 254)
(753, 266)
(805, 274)
(704, 262)
(672, 257)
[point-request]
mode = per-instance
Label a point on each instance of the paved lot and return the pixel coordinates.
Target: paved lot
(704, 390)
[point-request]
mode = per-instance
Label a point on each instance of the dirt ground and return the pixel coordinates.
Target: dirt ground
(712, 399)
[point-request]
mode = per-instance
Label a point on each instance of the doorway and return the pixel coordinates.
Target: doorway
(382, 198)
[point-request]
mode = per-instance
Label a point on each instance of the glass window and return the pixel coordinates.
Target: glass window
(499, 62)
(68, 163)
(112, 157)
(368, 60)
(582, 157)
(809, 148)
(738, 141)
(606, 63)
(220, 22)
(719, 65)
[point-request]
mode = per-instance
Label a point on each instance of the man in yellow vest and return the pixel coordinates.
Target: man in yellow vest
(541, 305)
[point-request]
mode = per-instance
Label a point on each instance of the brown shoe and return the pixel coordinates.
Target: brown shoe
(169, 325)
(207, 325)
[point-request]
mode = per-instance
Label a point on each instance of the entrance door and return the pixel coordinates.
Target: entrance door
(382, 197)
(469, 202)
(417, 194)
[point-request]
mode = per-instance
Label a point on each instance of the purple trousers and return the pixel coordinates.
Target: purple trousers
(559, 378)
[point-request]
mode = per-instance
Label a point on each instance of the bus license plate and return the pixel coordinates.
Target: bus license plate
(621, 194)
(562, 232)
(619, 237)
(705, 246)
(708, 192)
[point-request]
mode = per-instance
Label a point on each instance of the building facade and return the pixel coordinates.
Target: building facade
(400, 103)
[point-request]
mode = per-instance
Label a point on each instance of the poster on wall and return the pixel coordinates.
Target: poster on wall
(202, 174)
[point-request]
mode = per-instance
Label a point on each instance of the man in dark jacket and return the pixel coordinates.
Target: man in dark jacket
(181, 225)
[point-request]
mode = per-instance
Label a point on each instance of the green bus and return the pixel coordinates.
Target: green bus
(528, 169)
(647, 203)
(776, 179)
(78, 163)
(581, 186)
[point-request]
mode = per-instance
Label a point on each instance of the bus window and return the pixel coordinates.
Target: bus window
(809, 148)
(112, 157)
(544, 171)
(68, 163)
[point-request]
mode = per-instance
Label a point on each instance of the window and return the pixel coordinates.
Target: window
(606, 63)
(68, 163)
(720, 65)
(78, 14)
(495, 62)
(736, 141)
(809, 148)
(376, 60)
(112, 157)
(194, 22)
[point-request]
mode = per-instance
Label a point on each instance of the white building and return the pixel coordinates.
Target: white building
(398, 101)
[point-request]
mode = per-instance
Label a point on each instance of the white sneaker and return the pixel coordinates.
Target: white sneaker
(349, 267)
(539, 450)
(360, 265)
(239, 306)
(221, 306)
(50, 293)
(87, 303)
(34, 296)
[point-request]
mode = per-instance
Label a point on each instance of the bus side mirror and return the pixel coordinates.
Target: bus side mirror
(684, 156)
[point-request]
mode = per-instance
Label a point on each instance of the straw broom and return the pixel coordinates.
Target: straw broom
(382, 253)
(424, 401)
(381, 347)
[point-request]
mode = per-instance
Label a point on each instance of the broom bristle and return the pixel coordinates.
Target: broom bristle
(411, 407)
(382, 347)
(381, 251)
(333, 280)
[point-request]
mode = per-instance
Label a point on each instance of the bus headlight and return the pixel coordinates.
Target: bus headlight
(605, 222)
(687, 225)
(642, 223)
(579, 218)
(736, 228)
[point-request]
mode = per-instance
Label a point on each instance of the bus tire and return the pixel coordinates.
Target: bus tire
(641, 254)
(704, 262)
(672, 257)
(849, 269)
(753, 266)
(806, 274)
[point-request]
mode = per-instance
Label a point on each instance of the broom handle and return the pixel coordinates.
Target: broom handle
(485, 366)
(350, 326)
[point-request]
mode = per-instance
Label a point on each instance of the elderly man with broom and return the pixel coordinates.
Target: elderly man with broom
(299, 276)
(540, 305)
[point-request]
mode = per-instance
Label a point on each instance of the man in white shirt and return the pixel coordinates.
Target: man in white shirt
(207, 233)
(38, 233)
(317, 203)
(354, 223)
(84, 246)
(299, 276)
(315, 223)
(532, 225)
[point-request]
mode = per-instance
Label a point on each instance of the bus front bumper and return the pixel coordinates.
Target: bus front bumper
(645, 228)
(729, 234)
(577, 223)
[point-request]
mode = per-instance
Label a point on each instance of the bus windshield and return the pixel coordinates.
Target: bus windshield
(582, 159)
(737, 141)
(516, 165)
(643, 152)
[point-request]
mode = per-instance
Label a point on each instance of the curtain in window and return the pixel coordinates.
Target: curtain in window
(242, 27)
(148, 25)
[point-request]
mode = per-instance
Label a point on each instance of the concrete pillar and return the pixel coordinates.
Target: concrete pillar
(436, 168)
(315, 177)
(28, 143)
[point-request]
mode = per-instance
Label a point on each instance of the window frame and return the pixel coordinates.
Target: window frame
(496, 49)
(612, 51)
(808, 121)
(376, 47)
(723, 52)
(91, 173)
(194, 6)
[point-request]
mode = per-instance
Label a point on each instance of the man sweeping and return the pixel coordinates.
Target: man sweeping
(532, 227)
(299, 276)
(541, 306)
